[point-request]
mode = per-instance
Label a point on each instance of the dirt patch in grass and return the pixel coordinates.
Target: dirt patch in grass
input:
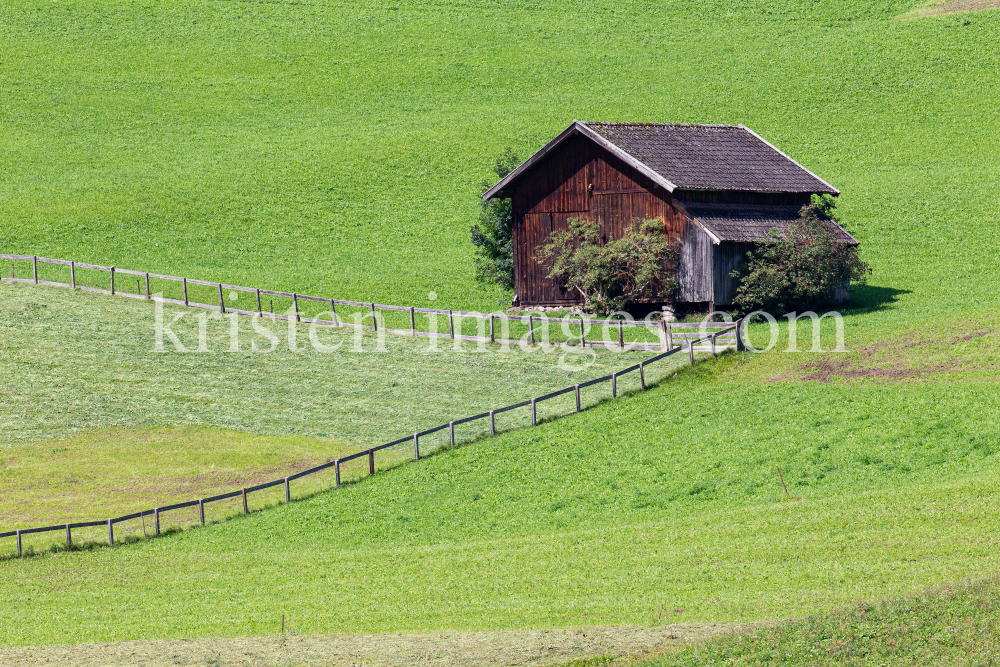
(963, 351)
(953, 7)
(463, 649)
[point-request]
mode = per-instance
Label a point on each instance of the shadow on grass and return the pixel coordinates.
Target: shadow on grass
(872, 299)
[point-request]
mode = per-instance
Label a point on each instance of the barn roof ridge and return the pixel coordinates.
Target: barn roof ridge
(642, 124)
(687, 156)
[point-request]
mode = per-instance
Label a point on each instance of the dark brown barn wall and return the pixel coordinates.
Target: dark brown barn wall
(727, 257)
(558, 189)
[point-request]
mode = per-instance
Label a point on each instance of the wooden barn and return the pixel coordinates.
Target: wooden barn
(718, 189)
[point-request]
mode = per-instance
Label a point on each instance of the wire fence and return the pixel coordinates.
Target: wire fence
(622, 333)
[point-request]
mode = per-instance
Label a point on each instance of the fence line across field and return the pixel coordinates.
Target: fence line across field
(157, 512)
(666, 332)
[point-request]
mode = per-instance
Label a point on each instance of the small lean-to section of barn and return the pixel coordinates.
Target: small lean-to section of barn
(717, 188)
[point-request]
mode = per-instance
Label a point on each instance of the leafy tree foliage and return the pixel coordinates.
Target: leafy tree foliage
(609, 276)
(800, 268)
(493, 235)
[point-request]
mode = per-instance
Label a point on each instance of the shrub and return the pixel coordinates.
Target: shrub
(800, 268)
(493, 235)
(640, 264)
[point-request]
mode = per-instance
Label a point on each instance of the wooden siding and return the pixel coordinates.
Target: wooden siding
(694, 271)
(726, 258)
(579, 180)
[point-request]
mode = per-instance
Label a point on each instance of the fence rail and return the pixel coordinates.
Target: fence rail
(157, 513)
(490, 327)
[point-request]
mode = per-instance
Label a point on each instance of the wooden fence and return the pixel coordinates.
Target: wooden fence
(410, 440)
(624, 334)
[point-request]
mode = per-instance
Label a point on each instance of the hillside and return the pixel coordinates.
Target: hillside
(592, 520)
(955, 625)
(95, 424)
(337, 148)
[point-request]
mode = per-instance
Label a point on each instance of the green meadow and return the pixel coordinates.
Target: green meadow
(955, 625)
(95, 423)
(337, 149)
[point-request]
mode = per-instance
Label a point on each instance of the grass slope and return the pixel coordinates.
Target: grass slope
(954, 625)
(335, 148)
(593, 520)
(94, 423)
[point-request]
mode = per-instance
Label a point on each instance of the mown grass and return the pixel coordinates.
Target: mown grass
(95, 423)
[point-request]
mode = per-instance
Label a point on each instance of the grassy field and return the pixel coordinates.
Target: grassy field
(95, 424)
(337, 149)
(954, 625)
(584, 521)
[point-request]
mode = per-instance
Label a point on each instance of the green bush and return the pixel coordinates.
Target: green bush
(493, 235)
(640, 264)
(800, 268)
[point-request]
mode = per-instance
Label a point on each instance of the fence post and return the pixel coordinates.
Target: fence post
(259, 311)
(201, 510)
(69, 537)
(337, 466)
(147, 286)
(111, 533)
(670, 335)
(691, 352)
(416, 447)
(288, 492)
(371, 461)
(222, 303)
(614, 385)
(333, 313)
(18, 542)
(34, 267)
(493, 423)
(583, 341)
(156, 521)
(663, 336)
(621, 336)
(534, 420)
(451, 325)
(577, 388)
(184, 284)
(492, 334)
(713, 345)
(413, 322)
(642, 375)
(740, 345)
(246, 508)
(531, 329)
(72, 275)
(112, 280)
(374, 320)
(451, 432)
(295, 306)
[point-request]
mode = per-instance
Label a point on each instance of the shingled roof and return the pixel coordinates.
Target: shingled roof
(691, 157)
(748, 223)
